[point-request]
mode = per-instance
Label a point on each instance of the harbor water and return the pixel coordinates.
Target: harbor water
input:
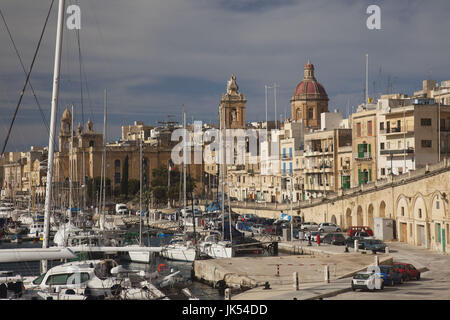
(32, 268)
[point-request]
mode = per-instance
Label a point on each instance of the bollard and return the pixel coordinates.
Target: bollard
(227, 294)
(376, 260)
(356, 245)
(386, 250)
(278, 270)
(296, 284)
(327, 274)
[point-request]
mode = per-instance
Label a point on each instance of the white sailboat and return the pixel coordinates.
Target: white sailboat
(178, 249)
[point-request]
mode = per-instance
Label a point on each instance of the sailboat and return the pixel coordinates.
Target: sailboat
(215, 245)
(178, 248)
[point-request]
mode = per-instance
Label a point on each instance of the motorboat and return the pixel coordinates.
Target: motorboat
(95, 279)
(215, 248)
(180, 250)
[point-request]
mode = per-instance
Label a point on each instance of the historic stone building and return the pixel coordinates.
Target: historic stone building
(232, 106)
(309, 99)
(87, 154)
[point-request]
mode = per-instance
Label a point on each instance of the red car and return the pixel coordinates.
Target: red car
(351, 232)
(408, 271)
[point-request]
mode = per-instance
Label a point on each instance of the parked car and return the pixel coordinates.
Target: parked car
(333, 238)
(367, 281)
(390, 275)
(234, 199)
(309, 226)
(373, 245)
(350, 241)
(248, 216)
(407, 270)
(329, 227)
(354, 229)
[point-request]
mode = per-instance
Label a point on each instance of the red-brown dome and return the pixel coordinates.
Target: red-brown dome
(309, 88)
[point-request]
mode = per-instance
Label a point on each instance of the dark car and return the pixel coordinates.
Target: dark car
(373, 245)
(390, 275)
(350, 241)
(334, 238)
(407, 270)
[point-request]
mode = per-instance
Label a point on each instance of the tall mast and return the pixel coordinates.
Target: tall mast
(140, 192)
(222, 138)
(71, 170)
(184, 165)
(104, 154)
(51, 145)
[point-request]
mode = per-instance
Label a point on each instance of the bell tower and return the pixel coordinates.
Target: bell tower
(232, 106)
(65, 131)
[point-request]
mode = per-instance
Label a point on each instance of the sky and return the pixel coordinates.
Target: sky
(154, 56)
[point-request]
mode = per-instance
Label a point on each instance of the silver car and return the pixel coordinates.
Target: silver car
(329, 227)
(309, 226)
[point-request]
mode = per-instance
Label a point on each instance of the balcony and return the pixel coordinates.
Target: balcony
(397, 151)
(363, 156)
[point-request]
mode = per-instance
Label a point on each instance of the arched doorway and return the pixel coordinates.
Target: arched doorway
(333, 219)
(359, 216)
(348, 218)
(370, 221)
(382, 211)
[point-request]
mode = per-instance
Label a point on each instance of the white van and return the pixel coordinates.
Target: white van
(121, 208)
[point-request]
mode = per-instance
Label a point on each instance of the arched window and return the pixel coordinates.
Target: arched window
(310, 113)
(117, 164)
(91, 143)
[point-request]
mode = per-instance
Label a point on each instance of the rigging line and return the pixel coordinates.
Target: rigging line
(28, 77)
(24, 70)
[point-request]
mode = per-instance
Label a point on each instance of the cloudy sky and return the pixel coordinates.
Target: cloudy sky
(153, 56)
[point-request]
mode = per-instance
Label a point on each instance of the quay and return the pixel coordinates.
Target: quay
(247, 277)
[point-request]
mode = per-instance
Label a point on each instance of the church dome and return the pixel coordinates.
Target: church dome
(309, 88)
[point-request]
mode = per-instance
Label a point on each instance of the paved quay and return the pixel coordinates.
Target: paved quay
(254, 272)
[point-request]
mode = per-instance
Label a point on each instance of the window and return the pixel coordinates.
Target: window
(383, 171)
(39, 279)
(382, 146)
(117, 177)
(117, 163)
(58, 279)
(77, 278)
(290, 152)
(358, 129)
(381, 125)
(290, 167)
(425, 122)
(425, 143)
(310, 113)
(369, 128)
(403, 211)
(91, 143)
(420, 213)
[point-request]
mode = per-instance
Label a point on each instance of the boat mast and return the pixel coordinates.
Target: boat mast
(51, 145)
(104, 157)
(222, 147)
(140, 192)
(184, 167)
(71, 170)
